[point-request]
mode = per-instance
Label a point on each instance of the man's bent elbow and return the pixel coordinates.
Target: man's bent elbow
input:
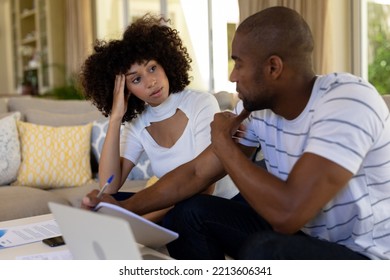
(288, 225)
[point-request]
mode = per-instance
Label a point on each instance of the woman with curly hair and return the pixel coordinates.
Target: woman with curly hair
(141, 81)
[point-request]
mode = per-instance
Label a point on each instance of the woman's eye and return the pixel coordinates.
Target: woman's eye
(136, 80)
(153, 68)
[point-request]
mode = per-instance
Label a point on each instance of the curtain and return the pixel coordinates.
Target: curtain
(316, 14)
(79, 34)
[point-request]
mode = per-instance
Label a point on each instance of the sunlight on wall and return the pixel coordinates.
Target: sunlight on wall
(109, 19)
(196, 17)
(196, 37)
(221, 43)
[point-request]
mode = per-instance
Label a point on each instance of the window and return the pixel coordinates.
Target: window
(375, 42)
(205, 31)
(378, 51)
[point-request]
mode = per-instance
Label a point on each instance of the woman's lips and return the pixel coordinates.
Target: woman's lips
(156, 93)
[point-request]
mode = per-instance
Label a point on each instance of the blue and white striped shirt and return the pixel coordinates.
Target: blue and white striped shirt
(347, 122)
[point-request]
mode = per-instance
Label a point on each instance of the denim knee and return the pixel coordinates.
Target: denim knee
(192, 209)
(260, 246)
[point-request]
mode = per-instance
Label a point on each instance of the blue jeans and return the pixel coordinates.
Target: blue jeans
(211, 227)
(122, 195)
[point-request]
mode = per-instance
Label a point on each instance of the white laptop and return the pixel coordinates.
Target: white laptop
(92, 236)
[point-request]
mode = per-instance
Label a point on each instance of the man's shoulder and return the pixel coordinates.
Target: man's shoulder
(347, 93)
(337, 79)
(346, 87)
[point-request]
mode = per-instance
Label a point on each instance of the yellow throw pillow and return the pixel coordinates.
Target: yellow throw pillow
(151, 181)
(54, 157)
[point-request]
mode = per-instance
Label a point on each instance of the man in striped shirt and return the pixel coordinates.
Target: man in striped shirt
(326, 144)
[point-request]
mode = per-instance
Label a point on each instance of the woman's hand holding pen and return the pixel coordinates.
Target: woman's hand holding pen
(92, 199)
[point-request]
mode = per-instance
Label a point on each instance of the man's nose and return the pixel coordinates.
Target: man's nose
(232, 76)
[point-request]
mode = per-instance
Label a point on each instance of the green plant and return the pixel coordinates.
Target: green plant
(69, 90)
(379, 69)
(379, 46)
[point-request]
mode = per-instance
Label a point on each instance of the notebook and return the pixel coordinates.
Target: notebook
(145, 232)
(93, 236)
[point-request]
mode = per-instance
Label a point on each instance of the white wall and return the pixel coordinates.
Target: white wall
(195, 35)
(109, 17)
(220, 42)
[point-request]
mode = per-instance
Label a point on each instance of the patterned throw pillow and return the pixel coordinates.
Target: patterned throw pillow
(142, 170)
(99, 131)
(54, 157)
(9, 149)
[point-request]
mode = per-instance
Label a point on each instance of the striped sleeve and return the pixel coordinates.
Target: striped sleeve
(345, 126)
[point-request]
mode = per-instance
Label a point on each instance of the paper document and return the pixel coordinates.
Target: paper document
(58, 255)
(19, 235)
(145, 232)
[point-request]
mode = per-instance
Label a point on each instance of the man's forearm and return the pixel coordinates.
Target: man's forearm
(175, 186)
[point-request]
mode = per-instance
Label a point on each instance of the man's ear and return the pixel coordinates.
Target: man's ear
(275, 64)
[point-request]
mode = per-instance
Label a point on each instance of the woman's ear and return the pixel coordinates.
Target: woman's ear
(275, 64)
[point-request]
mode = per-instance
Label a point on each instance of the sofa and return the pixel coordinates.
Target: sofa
(49, 151)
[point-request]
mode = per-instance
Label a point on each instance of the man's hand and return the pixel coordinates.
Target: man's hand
(91, 200)
(225, 127)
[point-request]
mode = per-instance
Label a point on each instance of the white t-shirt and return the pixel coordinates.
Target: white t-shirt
(347, 122)
(200, 109)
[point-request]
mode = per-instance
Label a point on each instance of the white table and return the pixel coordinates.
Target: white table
(41, 248)
(31, 248)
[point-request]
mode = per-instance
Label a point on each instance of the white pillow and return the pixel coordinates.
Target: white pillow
(9, 149)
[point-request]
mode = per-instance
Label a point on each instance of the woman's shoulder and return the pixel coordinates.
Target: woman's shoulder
(135, 125)
(195, 97)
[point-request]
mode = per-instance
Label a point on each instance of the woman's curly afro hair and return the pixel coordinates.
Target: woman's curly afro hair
(147, 38)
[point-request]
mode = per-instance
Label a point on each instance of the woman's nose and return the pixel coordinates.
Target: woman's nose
(152, 82)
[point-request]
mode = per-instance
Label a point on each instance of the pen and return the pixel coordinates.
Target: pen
(105, 186)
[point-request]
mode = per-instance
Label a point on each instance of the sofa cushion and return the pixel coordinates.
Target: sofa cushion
(9, 149)
(3, 105)
(54, 156)
(20, 202)
(56, 119)
(3, 115)
(75, 195)
(226, 100)
(22, 104)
